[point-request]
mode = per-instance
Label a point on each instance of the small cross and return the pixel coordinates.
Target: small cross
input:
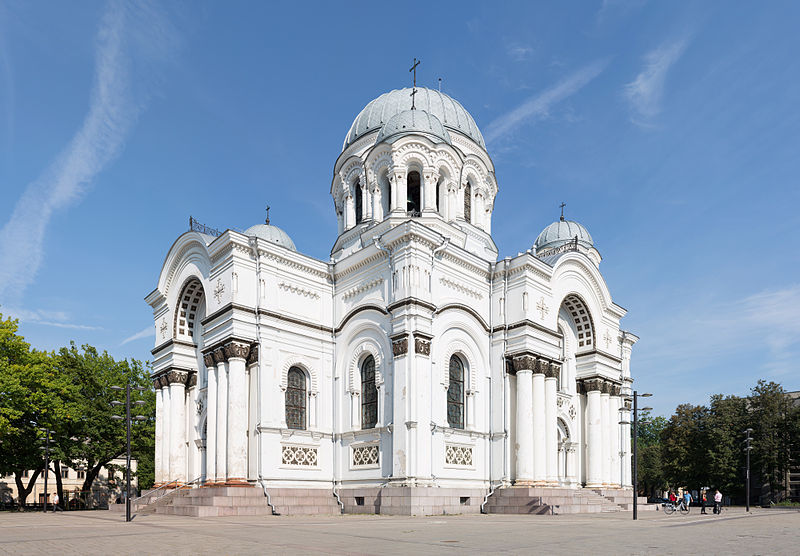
(542, 308)
(163, 328)
(607, 338)
(414, 90)
(562, 205)
(267, 221)
(219, 290)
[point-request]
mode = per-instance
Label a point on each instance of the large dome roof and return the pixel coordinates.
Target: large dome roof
(272, 234)
(449, 112)
(562, 232)
(413, 121)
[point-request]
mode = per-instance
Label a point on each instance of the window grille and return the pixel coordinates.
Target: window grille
(369, 394)
(455, 394)
(296, 399)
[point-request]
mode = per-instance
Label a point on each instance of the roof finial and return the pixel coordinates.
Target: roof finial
(267, 220)
(562, 205)
(414, 89)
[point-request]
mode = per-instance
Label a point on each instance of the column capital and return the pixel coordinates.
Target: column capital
(542, 367)
(236, 350)
(252, 357)
(524, 362)
(192, 380)
(400, 345)
(555, 369)
(177, 376)
(422, 344)
(219, 356)
(208, 359)
(591, 384)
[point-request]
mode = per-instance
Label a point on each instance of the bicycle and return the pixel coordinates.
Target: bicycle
(671, 507)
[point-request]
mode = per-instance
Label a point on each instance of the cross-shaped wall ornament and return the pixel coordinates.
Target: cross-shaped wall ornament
(163, 327)
(219, 290)
(607, 338)
(542, 308)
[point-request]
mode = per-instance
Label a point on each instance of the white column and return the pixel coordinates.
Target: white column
(613, 411)
(551, 416)
(166, 432)
(177, 395)
(626, 449)
(211, 419)
(594, 433)
(159, 471)
(237, 412)
(429, 190)
(572, 477)
(606, 428)
(539, 428)
(349, 212)
(222, 420)
(524, 424)
(377, 212)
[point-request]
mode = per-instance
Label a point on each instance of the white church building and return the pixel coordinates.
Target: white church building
(413, 372)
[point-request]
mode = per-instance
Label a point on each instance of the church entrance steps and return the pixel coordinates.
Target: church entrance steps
(399, 500)
(624, 498)
(547, 500)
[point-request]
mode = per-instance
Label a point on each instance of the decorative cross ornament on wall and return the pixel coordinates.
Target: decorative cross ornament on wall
(219, 290)
(163, 327)
(607, 338)
(542, 308)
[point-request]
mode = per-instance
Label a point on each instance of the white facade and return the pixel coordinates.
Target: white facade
(249, 331)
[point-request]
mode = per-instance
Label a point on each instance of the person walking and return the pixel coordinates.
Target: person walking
(703, 502)
(56, 507)
(717, 501)
(687, 498)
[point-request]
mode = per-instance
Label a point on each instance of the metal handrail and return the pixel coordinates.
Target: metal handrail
(176, 488)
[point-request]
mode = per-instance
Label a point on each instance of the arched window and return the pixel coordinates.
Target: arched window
(369, 394)
(296, 399)
(468, 202)
(413, 205)
(455, 394)
(438, 204)
(359, 202)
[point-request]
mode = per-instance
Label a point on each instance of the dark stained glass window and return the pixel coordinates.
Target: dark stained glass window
(369, 394)
(359, 202)
(455, 394)
(296, 399)
(468, 202)
(414, 184)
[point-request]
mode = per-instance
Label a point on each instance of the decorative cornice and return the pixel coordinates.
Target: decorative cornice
(411, 301)
(452, 284)
(168, 343)
(299, 291)
(225, 308)
(300, 322)
(357, 310)
(530, 323)
(362, 288)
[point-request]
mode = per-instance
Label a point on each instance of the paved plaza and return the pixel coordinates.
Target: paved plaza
(735, 532)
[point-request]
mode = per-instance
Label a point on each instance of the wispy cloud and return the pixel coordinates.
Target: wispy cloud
(646, 91)
(59, 319)
(538, 106)
(131, 36)
(611, 8)
(519, 52)
(144, 333)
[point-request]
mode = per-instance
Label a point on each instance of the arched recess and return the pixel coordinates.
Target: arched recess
(465, 352)
(306, 367)
(189, 310)
(364, 348)
(579, 315)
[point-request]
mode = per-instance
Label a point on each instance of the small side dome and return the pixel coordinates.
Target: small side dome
(413, 121)
(272, 234)
(562, 232)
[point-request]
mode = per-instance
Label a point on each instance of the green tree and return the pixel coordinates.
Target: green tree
(96, 438)
(726, 419)
(650, 466)
(770, 418)
(682, 446)
(33, 395)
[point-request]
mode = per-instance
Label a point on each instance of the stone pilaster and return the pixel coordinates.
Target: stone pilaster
(594, 432)
(551, 417)
(211, 418)
(222, 417)
(236, 354)
(159, 441)
(539, 423)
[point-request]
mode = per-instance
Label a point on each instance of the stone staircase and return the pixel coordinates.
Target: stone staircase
(549, 501)
(624, 499)
(235, 501)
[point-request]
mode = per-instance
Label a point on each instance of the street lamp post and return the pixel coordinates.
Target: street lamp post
(46, 465)
(635, 463)
(128, 420)
(747, 473)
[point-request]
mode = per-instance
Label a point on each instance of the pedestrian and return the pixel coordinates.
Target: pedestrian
(55, 503)
(672, 497)
(687, 498)
(703, 502)
(717, 501)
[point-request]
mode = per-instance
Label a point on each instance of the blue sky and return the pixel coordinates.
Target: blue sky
(669, 129)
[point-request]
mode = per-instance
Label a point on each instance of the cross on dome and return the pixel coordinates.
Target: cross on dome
(414, 89)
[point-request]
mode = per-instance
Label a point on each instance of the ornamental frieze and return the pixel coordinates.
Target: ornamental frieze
(400, 346)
